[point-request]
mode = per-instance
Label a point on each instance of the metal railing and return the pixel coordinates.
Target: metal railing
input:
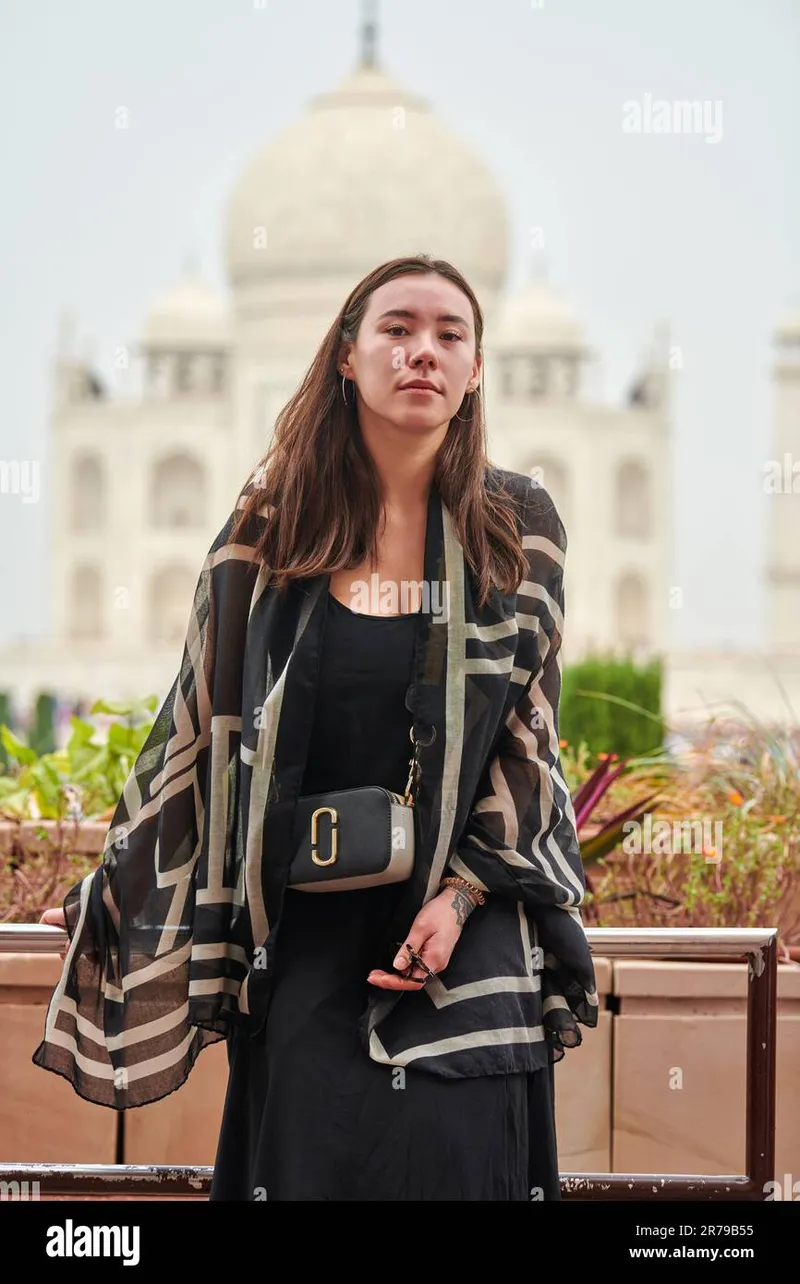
(757, 946)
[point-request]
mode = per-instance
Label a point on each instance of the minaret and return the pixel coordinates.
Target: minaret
(64, 382)
(782, 486)
(369, 33)
(74, 379)
(651, 386)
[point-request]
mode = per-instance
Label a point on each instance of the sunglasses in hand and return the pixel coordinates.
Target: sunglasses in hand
(416, 961)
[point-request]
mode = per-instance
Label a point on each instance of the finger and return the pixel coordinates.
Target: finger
(391, 981)
(412, 951)
(404, 978)
(397, 983)
(402, 958)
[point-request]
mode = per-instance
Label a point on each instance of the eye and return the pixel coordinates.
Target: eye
(448, 334)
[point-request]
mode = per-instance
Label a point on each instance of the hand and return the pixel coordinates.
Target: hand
(55, 918)
(433, 936)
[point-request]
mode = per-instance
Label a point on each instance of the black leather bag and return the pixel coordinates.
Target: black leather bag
(351, 838)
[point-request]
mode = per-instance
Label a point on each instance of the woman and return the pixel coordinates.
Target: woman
(377, 580)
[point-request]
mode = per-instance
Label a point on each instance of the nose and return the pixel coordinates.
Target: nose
(422, 353)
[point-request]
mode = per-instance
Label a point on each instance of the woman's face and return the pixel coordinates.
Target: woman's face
(415, 327)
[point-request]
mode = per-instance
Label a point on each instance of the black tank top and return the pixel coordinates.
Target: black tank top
(360, 734)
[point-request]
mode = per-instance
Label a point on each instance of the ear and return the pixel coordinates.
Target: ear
(475, 377)
(343, 359)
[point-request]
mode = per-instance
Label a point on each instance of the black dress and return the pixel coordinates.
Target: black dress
(308, 1114)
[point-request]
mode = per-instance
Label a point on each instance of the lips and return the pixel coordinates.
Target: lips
(418, 385)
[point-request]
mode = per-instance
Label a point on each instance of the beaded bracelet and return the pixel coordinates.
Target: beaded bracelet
(456, 881)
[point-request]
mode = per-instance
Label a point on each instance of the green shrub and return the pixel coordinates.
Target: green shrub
(86, 777)
(42, 738)
(612, 706)
(5, 720)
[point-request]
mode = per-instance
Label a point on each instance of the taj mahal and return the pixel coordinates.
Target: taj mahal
(141, 481)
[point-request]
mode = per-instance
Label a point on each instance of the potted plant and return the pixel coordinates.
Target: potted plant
(54, 812)
(55, 806)
(719, 844)
(715, 843)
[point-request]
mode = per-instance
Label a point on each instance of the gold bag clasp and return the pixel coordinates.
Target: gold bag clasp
(321, 811)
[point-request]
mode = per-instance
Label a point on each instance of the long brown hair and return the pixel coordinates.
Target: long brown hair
(320, 480)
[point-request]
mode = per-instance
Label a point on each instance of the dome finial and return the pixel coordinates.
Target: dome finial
(369, 33)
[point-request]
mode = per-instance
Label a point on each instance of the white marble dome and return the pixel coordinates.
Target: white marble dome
(366, 174)
(537, 318)
(189, 314)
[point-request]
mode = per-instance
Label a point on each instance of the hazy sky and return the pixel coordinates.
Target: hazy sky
(702, 229)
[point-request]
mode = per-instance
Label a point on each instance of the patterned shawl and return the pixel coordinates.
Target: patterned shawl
(172, 938)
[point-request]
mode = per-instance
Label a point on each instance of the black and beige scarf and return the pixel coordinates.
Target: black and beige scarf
(172, 938)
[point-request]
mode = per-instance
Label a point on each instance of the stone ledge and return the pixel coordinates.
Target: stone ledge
(25, 971)
(86, 838)
(653, 979)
